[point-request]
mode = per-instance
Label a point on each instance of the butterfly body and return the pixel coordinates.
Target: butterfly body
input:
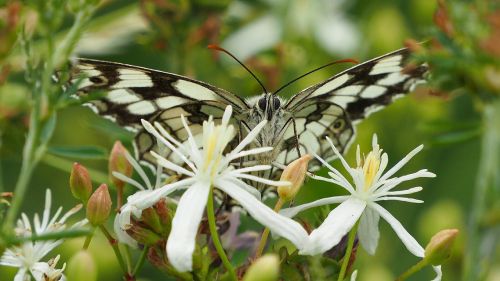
(295, 126)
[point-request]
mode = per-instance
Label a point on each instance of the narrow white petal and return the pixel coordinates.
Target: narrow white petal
(251, 169)
(336, 225)
(249, 138)
(170, 165)
(335, 173)
(128, 180)
(252, 151)
(293, 211)
(227, 115)
(278, 224)
(439, 273)
(354, 275)
(408, 240)
(368, 232)
(401, 192)
(161, 139)
(248, 188)
(181, 241)
(21, 275)
(195, 152)
(46, 210)
(391, 183)
(396, 198)
(139, 169)
(344, 163)
(259, 179)
(401, 163)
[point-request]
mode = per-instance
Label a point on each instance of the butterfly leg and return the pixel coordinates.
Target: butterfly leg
(296, 137)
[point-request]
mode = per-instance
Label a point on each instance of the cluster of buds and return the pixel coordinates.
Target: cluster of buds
(98, 202)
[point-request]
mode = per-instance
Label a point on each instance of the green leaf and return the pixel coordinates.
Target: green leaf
(82, 152)
(456, 137)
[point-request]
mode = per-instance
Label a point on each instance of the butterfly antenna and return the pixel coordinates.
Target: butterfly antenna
(218, 48)
(314, 70)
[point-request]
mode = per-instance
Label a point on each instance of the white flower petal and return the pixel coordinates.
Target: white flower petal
(128, 180)
(439, 273)
(248, 188)
(278, 224)
(336, 225)
(181, 241)
(354, 275)
(291, 212)
(368, 232)
(249, 138)
(408, 240)
(251, 151)
(121, 234)
(395, 198)
(21, 275)
(170, 165)
(402, 162)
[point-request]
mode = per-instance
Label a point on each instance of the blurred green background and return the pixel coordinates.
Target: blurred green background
(279, 40)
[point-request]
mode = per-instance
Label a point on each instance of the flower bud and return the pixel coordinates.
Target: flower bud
(294, 173)
(119, 163)
(80, 182)
(99, 206)
(439, 248)
(266, 268)
(143, 235)
(81, 267)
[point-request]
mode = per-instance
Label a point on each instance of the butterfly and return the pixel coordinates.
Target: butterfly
(295, 126)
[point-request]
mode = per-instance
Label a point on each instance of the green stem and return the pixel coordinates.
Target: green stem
(489, 163)
(141, 260)
(412, 270)
(348, 251)
(265, 233)
(88, 239)
(215, 236)
(128, 259)
(114, 244)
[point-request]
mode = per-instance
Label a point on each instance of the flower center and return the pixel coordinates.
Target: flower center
(215, 141)
(370, 167)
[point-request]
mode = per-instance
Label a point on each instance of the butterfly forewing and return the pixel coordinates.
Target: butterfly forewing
(357, 92)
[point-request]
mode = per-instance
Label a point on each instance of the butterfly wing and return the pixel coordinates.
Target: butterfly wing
(331, 107)
(130, 93)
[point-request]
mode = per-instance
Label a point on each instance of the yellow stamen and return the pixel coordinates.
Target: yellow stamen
(370, 168)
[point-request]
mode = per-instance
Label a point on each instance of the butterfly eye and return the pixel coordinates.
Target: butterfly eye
(262, 103)
(276, 103)
(339, 124)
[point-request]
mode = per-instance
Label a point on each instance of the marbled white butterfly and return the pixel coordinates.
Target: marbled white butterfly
(296, 126)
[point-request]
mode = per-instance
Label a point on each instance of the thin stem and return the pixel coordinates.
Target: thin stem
(412, 270)
(114, 244)
(488, 167)
(215, 236)
(88, 239)
(141, 260)
(348, 251)
(128, 259)
(265, 233)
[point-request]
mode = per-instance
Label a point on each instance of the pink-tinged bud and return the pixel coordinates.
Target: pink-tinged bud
(80, 182)
(294, 173)
(266, 268)
(99, 206)
(119, 163)
(143, 235)
(439, 248)
(82, 267)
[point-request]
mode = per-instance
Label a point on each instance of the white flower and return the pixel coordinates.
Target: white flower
(370, 186)
(27, 256)
(208, 167)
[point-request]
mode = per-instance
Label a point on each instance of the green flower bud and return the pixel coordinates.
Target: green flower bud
(266, 268)
(119, 163)
(80, 182)
(294, 173)
(81, 267)
(439, 248)
(99, 206)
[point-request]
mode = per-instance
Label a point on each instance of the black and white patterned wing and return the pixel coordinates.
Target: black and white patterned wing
(331, 107)
(131, 93)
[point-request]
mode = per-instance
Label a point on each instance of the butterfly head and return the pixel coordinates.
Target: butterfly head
(268, 105)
